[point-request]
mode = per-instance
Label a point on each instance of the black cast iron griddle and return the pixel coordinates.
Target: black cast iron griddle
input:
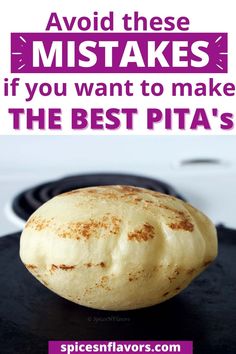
(205, 312)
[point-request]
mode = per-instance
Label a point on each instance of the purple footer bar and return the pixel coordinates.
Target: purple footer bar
(167, 347)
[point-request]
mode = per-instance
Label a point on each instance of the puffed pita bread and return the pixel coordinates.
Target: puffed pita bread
(117, 247)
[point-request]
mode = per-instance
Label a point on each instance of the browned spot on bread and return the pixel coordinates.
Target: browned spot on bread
(66, 267)
(103, 283)
(174, 275)
(147, 204)
(92, 191)
(181, 219)
(138, 200)
(149, 201)
(191, 271)
(115, 224)
(85, 229)
(116, 193)
(103, 192)
(166, 293)
(37, 223)
(134, 276)
(54, 267)
(205, 264)
(88, 265)
(130, 189)
(101, 264)
(142, 274)
(62, 266)
(178, 288)
(177, 271)
(185, 225)
(31, 266)
(87, 291)
(109, 194)
(174, 210)
(78, 230)
(146, 233)
(160, 195)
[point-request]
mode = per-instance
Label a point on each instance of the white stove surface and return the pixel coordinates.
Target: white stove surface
(28, 161)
